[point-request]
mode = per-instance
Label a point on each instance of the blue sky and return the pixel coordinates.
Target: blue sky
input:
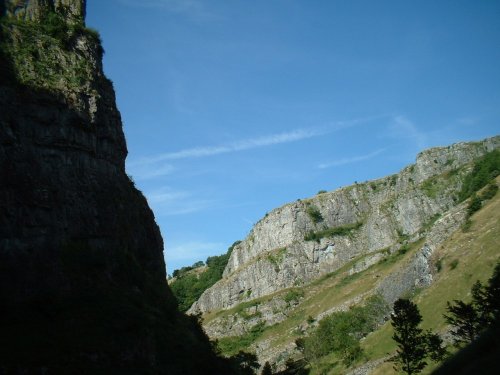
(232, 108)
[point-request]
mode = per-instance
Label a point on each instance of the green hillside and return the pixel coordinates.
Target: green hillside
(475, 253)
(340, 321)
(470, 254)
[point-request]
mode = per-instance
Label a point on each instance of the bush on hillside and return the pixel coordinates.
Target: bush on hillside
(485, 169)
(340, 332)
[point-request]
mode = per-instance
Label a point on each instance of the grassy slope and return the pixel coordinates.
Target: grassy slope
(477, 252)
(325, 293)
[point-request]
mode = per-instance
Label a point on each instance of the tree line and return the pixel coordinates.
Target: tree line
(189, 286)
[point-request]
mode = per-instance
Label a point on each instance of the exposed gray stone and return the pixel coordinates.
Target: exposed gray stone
(35, 10)
(393, 210)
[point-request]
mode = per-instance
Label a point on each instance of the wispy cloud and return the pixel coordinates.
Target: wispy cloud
(242, 145)
(468, 121)
(345, 124)
(169, 5)
(354, 159)
(168, 202)
(147, 171)
(150, 167)
(193, 8)
(402, 127)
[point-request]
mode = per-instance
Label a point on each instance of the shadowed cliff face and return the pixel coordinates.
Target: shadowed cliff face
(82, 275)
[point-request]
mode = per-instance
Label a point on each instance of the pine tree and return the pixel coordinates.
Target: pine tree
(464, 318)
(411, 340)
(469, 320)
(267, 370)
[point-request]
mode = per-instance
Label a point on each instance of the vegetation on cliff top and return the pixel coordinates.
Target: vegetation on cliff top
(43, 55)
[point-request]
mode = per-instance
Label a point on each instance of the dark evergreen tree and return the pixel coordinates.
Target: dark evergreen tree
(469, 320)
(411, 341)
(244, 363)
(464, 319)
(435, 349)
(491, 301)
(267, 370)
(298, 367)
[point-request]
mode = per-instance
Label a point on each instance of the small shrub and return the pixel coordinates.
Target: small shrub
(475, 204)
(198, 264)
(293, 295)
(490, 191)
(485, 169)
(476, 201)
(403, 237)
(467, 225)
(233, 344)
(276, 258)
(340, 332)
(439, 265)
(344, 230)
(431, 222)
(453, 264)
(55, 26)
(247, 316)
(321, 192)
(314, 214)
(431, 187)
(403, 249)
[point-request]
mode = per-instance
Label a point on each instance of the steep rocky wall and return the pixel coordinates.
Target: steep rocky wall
(384, 213)
(82, 275)
(418, 272)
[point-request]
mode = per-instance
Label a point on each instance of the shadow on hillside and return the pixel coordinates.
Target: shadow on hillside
(480, 357)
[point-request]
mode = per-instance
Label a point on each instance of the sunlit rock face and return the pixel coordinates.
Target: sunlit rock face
(372, 216)
(82, 273)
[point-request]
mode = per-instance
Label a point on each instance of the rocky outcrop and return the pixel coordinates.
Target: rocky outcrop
(418, 272)
(82, 275)
(299, 242)
(35, 10)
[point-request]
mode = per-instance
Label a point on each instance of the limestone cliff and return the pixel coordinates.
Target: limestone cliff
(82, 275)
(381, 239)
(301, 241)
